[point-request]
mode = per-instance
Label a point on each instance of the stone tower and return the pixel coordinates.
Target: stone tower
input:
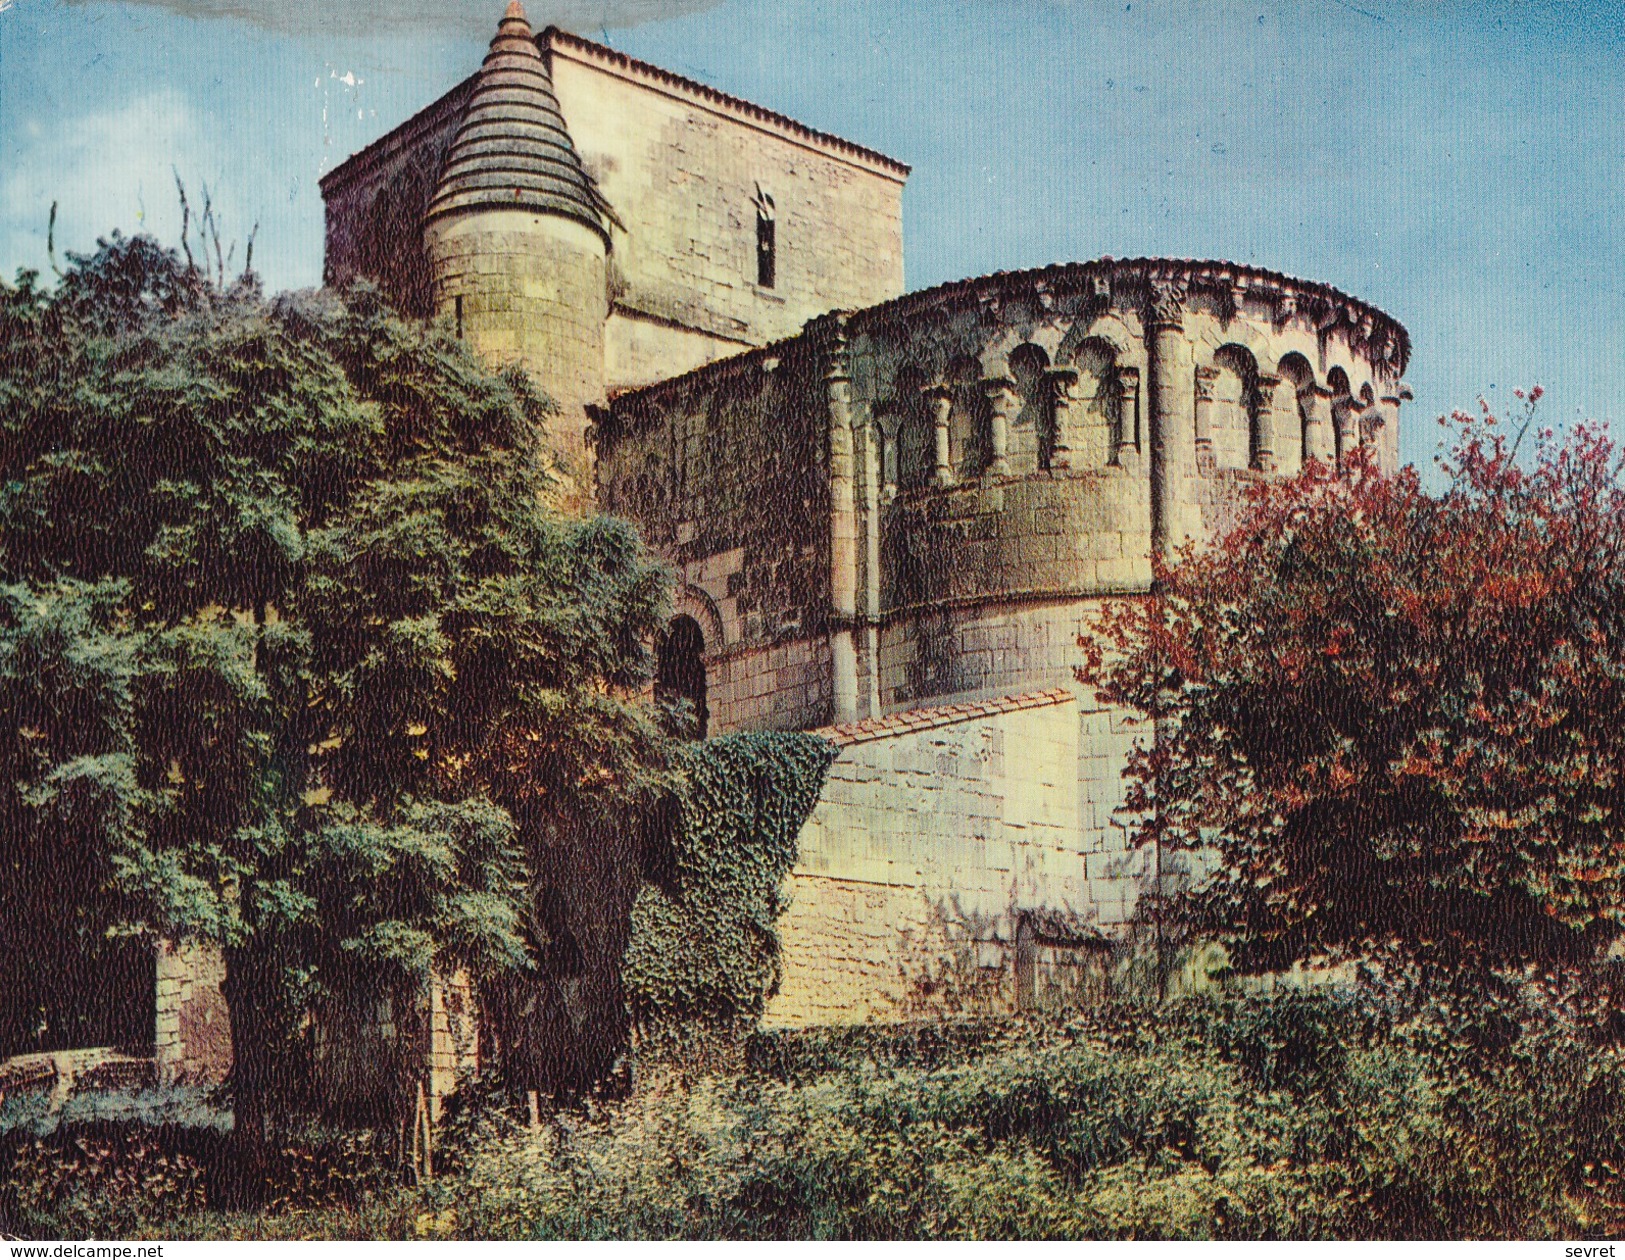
(517, 235)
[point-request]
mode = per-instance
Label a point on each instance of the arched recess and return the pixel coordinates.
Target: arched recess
(886, 420)
(1295, 371)
(1109, 330)
(1337, 384)
(680, 670)
(1030, 438)
(1235, 416)
(969, 445)
(915, 453)
(1099, 405)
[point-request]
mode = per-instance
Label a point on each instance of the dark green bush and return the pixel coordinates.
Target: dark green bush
(1307, 1115)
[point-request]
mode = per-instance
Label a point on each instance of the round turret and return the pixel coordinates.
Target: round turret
(517, 234)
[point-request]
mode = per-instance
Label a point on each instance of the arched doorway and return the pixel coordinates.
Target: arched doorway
(680, 669)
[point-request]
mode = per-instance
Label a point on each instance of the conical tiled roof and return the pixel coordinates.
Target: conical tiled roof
(513, 148)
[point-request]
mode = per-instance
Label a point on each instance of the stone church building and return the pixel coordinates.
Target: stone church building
(891, 513)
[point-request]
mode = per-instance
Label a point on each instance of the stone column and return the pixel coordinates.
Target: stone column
(1317, 435)
(1206, 379)
(843, 540)
(870, 439)
(1172, 411)
(1127, 437)
(888, 459)
(1062, 381)
(1389, 446)
(941, 401)
(1265, 442)
(1001, 401)
(1346, 426)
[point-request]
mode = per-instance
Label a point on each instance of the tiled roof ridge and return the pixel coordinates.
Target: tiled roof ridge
(554, 34)
(1202, 270)
(363, 158)
(912, 720)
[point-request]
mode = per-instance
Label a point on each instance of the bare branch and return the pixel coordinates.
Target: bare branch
(50, 242)
(186, 221)
(210, 225)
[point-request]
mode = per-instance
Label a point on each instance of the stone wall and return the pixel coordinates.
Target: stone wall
(724, 474)
(961, 860)
(686, 168)
(528, 288)
(376, 200)
(192, 1041)
(977, 468)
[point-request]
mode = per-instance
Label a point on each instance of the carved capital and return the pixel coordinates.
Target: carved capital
(1165, 302)
(1205, 379)
(1061, 382)
(1000, 391)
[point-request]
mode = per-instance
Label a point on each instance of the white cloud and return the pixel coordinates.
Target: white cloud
(360, 17)
(107, 168)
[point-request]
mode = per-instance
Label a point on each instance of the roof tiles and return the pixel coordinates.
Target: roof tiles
(912, 720)
(513, 149)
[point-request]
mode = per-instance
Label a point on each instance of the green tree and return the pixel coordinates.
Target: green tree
(302, 662)
(1391, 720)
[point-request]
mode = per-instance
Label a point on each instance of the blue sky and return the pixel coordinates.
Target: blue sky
(1460, 165)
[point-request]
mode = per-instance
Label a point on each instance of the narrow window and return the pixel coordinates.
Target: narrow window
(459, 317)
(766, 246)
(680, 673)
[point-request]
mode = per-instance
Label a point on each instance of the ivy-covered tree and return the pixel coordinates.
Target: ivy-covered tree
(1393, 720)
(295, 657)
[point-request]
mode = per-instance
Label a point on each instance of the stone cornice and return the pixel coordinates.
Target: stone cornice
(1129, 282)
(1371, 333)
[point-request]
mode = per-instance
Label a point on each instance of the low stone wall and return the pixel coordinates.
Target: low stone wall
(962, 860)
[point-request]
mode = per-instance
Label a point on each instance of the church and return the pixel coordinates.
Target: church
(891, 513)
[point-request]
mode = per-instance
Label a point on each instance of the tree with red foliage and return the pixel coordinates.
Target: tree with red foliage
(1391, 720)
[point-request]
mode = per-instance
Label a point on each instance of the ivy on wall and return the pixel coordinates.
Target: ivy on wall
(703, 945)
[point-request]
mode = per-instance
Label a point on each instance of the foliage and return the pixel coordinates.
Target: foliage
(1400, 1113)
(299, 657)
(703, 945)
(100, 1186)
(1130, 1123)
(1394, 721)
(124, 1179)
